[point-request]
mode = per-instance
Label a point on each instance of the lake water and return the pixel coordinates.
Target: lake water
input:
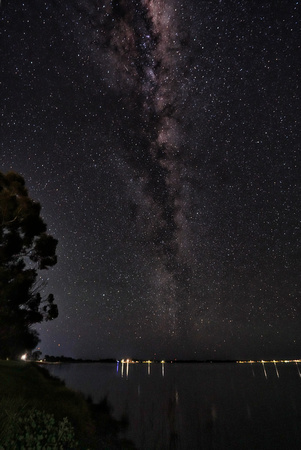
(198, 406)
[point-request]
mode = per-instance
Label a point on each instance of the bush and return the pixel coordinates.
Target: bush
(38, 430)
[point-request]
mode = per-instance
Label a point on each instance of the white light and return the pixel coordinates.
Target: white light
(23, 357)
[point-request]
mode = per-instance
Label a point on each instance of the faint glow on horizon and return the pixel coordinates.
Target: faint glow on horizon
(270, 361)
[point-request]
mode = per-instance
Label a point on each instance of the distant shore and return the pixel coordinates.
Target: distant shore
(66, 359)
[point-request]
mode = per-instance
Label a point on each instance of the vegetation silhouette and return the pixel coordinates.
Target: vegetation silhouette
(25, 250)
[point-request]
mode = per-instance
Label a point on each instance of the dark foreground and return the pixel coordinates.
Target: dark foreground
(38, 411)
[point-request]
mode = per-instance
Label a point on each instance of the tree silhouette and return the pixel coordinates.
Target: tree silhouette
(25, 249)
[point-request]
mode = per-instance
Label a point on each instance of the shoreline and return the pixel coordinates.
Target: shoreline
(28, 392)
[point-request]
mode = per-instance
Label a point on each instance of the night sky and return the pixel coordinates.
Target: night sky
(162, 139)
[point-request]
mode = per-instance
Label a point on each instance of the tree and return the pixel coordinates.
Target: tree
(25, 250)
(35, 355)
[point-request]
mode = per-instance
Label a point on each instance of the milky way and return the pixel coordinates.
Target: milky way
(148, 57)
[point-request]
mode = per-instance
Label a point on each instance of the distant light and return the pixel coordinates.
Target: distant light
(23, 357)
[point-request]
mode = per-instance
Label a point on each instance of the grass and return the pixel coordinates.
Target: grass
(26, 387)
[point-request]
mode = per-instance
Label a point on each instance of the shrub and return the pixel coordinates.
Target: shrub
(40, 431)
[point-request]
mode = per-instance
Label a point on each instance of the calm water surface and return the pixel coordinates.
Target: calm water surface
(198, 406)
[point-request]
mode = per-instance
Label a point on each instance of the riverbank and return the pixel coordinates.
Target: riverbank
(35, 405)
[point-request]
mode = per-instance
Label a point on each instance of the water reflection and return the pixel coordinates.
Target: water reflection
(198, 406)
(163, 369)
(252, 370)
(125, 367)
(126, 364)
(265, 372)
(276, 369)
(298, 369)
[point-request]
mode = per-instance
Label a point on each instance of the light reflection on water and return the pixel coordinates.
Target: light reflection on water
(198, 406)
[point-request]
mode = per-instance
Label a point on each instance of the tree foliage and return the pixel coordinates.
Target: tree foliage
(25, 249)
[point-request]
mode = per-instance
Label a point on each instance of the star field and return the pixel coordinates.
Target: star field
(162, 139)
